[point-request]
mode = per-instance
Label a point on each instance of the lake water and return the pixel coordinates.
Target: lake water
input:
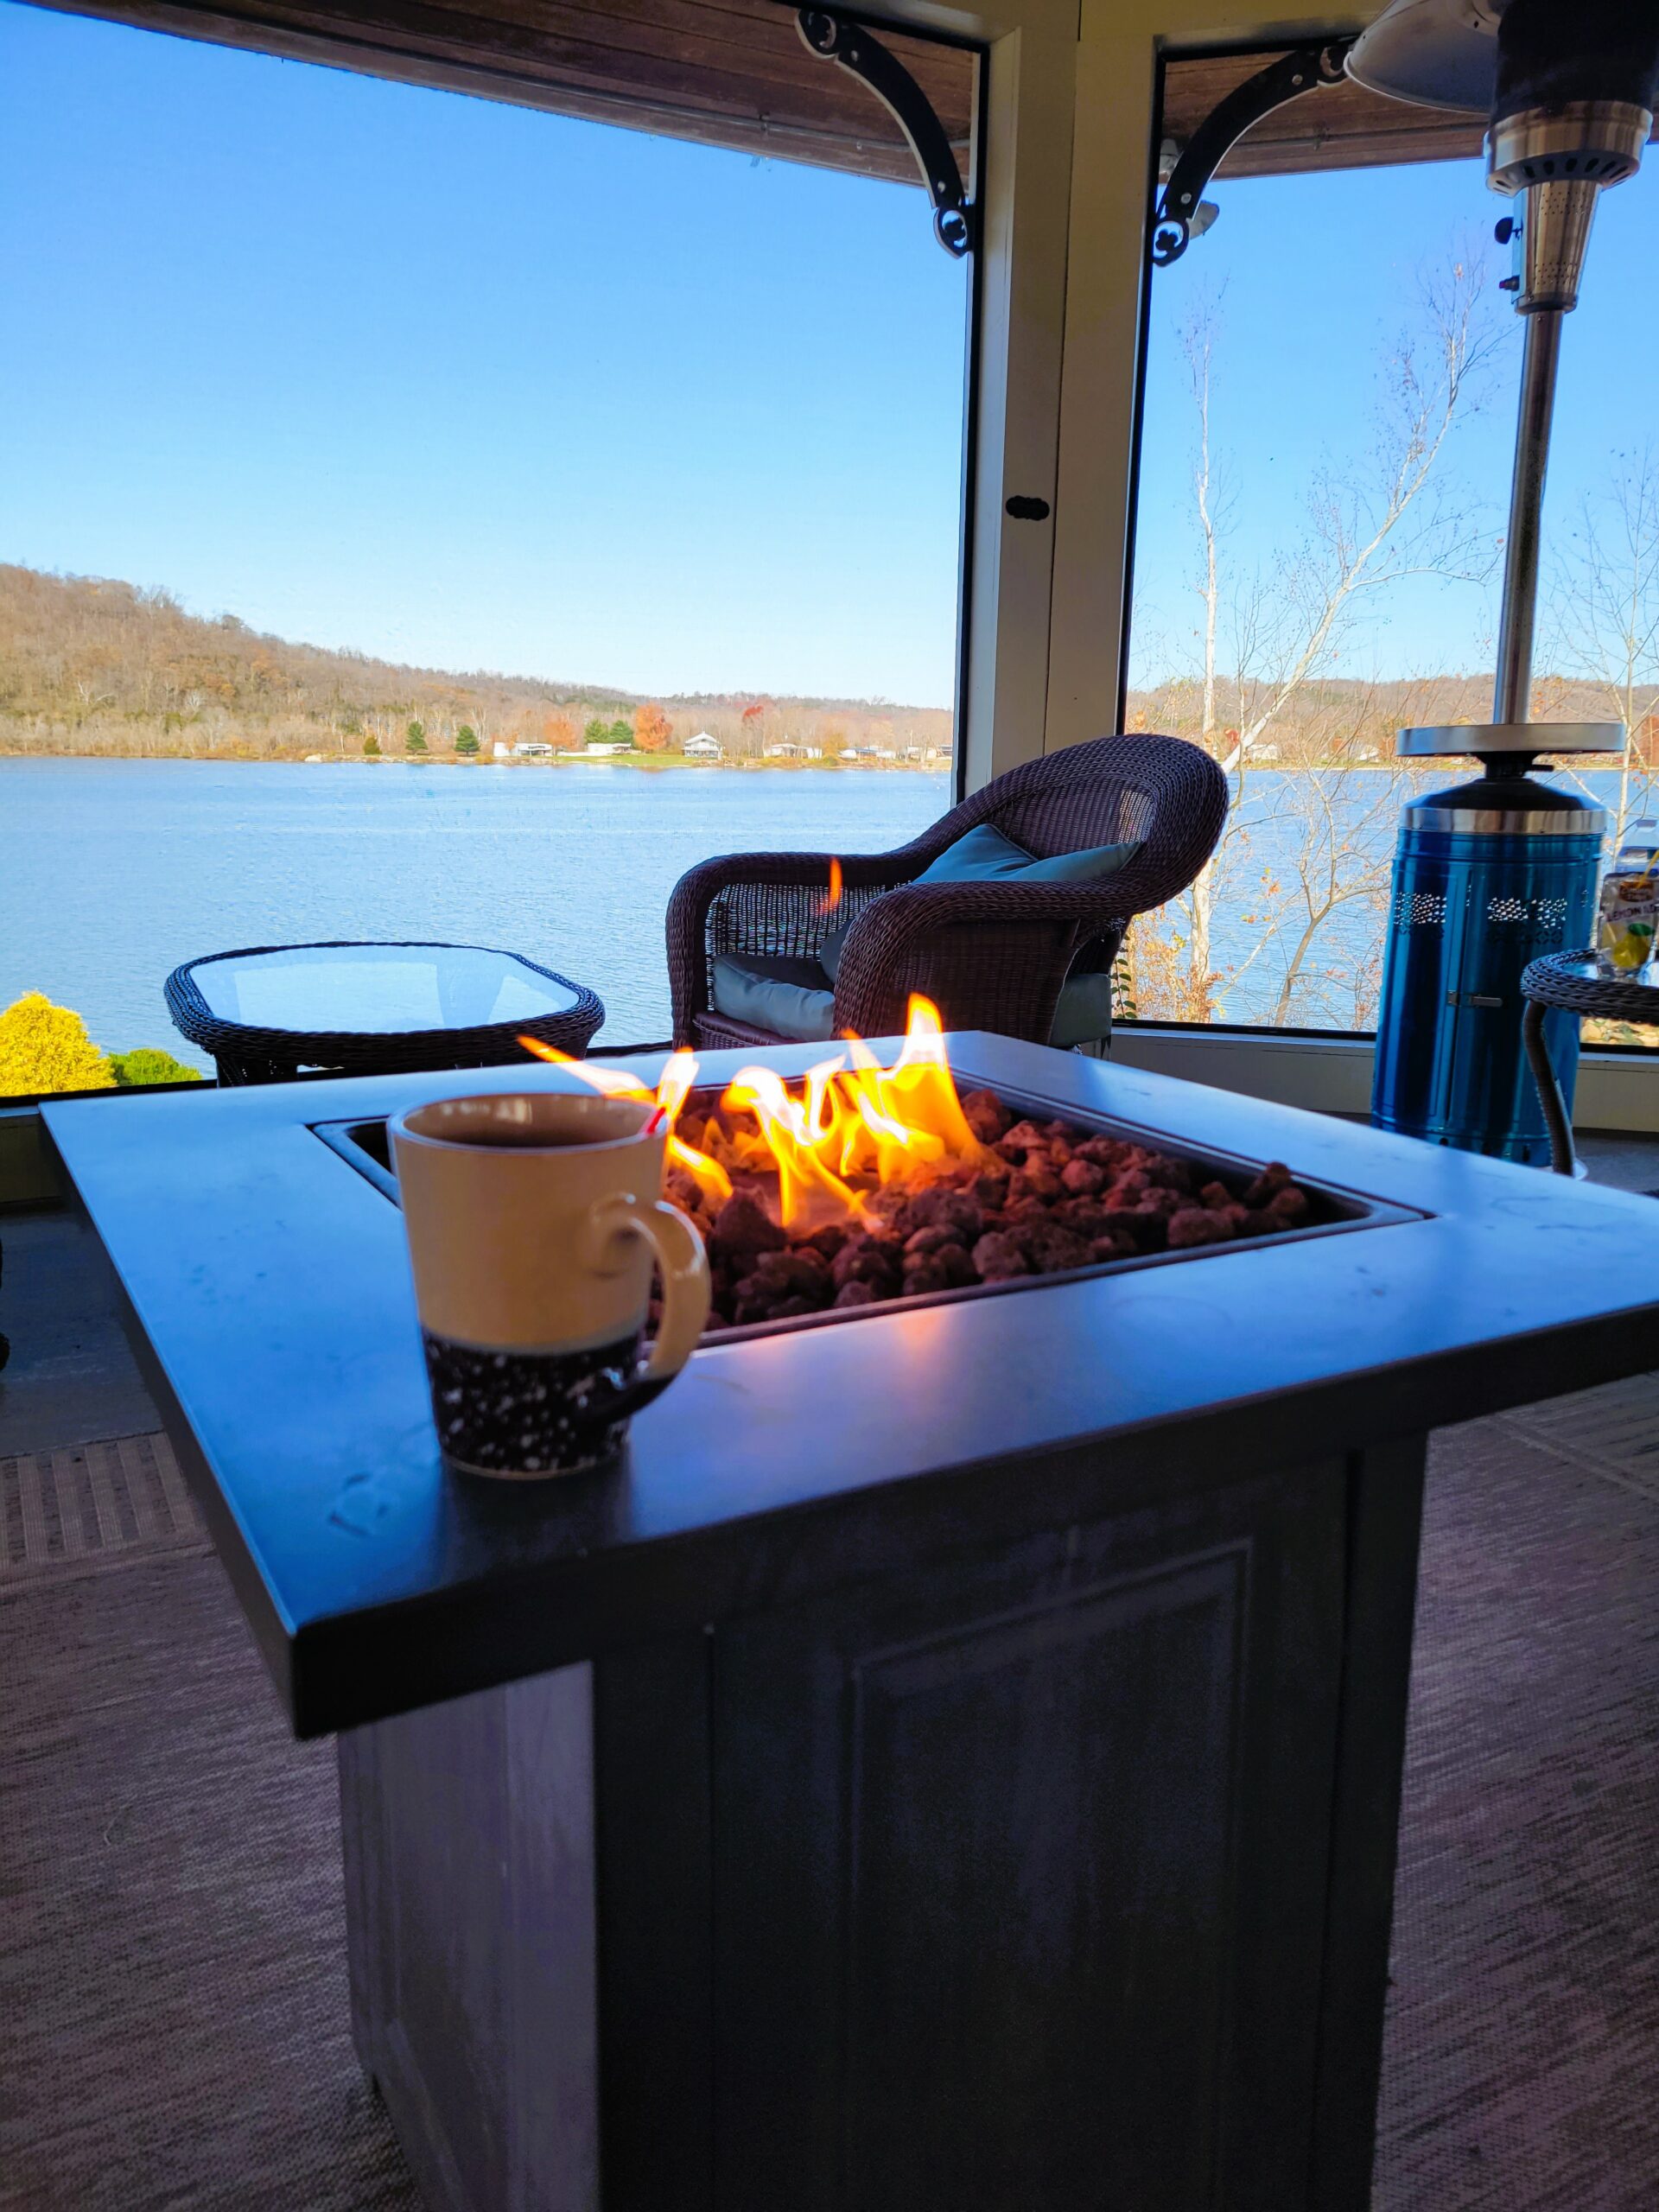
(114, 872)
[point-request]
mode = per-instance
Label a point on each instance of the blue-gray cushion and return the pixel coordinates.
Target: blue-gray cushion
(985, 855)
(785, 996)
(779, 994)
(1084, 1015)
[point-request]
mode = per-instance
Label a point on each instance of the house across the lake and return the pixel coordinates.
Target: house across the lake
(702, 747)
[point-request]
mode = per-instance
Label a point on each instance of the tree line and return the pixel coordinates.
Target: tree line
(96, 665)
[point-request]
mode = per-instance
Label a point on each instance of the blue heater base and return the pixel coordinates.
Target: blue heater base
(1470, 907)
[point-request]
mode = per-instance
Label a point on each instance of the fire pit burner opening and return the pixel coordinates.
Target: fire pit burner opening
(1157, 1204)
(1031, 1196)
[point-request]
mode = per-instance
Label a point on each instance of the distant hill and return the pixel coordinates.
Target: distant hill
(88, 665)
(1344, 719)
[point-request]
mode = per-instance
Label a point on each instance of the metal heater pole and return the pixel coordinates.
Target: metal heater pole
(1512, 693)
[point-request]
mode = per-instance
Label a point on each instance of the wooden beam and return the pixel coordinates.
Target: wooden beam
(1338, 127)
(728, 72)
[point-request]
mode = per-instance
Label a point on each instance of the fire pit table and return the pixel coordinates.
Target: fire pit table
(954, 1760)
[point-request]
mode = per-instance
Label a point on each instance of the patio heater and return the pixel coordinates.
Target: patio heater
(1497, 872)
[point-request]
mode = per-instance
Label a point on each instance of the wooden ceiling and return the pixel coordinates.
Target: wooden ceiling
(736, 73)
(728, 72)
(1336, 127)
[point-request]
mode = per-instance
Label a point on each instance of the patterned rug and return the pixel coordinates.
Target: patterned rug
(98, 1505)
(173, 2010)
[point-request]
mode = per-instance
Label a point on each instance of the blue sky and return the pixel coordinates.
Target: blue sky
(457, 383)
(1315, 278)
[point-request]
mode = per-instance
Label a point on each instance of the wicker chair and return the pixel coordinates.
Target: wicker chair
(991, 954)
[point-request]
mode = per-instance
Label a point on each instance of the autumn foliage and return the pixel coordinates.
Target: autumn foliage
(652, 730)
(46, 1047)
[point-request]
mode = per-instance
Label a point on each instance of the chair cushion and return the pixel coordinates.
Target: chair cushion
(1083, 1013)
(786, 996)
(779, 994)
(985, 855)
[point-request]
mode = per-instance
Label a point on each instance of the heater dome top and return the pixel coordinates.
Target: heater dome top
(1433, 52)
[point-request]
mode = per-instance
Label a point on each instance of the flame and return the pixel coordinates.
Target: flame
(808, 1186)
(848, 1130)
(834, 898)
(673, 1087)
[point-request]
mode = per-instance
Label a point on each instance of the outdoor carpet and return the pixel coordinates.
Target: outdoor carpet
(173, 2004)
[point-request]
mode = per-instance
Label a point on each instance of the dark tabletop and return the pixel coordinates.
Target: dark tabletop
(270, 1283)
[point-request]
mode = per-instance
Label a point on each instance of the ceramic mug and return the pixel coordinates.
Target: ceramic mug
(534, 1221)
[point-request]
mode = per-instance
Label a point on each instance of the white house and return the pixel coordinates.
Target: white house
(702, 747)
(532, 748)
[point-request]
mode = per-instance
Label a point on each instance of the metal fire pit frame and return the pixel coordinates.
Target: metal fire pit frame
(1349, 1209)
(272, 1312)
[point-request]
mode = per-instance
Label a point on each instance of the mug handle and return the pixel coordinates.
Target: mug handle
(613, 1226)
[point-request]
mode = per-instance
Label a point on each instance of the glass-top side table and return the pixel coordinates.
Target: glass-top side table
(1576, 982)
(268, 1011)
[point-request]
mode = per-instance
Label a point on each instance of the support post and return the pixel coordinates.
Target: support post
(1512, 694)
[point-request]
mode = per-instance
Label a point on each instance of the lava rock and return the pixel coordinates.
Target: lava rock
(986, 1115)
(743, 1228)
(1114, 1245)
(865, 1259)
(999, 1257)
(1274, 1178)
(1052, 1246)
(1102, 1152)
(937, 1208)
(827, 1241)
(1084, 1176)
(802, 1273)
(1195, 1225)
(1024, 1137)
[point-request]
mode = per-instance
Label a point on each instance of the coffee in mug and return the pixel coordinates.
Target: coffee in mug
(535, 1221)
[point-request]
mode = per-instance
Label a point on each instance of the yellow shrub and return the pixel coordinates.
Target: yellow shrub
(46, 1047)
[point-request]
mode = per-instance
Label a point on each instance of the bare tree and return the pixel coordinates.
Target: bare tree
(1605, 606)
(1295, 859)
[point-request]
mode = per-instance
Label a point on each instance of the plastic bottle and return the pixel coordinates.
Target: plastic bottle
(1629, 913)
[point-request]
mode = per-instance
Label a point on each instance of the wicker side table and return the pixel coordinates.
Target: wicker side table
(1575, 982)
(271, 1010)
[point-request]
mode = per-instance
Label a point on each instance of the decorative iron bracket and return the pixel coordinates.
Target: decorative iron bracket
(1287, 78)
(837, 38)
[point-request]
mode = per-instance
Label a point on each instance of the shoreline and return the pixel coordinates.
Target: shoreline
(658, 763)
(649, 762)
